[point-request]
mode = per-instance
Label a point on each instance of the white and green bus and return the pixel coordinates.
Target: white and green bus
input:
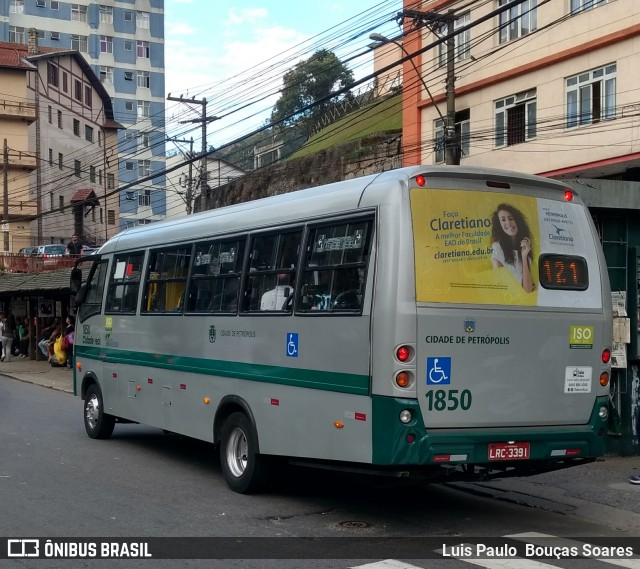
(443, 322)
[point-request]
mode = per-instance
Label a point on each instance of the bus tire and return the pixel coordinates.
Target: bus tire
(244, 469)
(97, 423)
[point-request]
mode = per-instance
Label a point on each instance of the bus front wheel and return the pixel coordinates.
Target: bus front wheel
(98, 424)
(244, 470)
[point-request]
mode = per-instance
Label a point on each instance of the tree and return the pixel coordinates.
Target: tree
(308, 82)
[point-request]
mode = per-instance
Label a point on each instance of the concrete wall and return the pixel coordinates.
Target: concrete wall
(353, 159)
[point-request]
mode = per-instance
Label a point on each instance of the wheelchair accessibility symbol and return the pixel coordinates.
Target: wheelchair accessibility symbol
(292, 344)
(438, 371)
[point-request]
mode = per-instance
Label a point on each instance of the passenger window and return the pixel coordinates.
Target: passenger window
(270, 281)
(166, 280)
(215, 276)
(335, 268)
(124, 283)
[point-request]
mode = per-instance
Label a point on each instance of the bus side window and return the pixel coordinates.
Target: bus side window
(124, 284)
(335, 266)
(215, 276)
(270, 281)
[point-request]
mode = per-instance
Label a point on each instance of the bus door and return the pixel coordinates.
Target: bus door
(511, 323)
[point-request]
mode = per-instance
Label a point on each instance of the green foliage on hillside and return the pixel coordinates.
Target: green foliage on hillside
(382, 116)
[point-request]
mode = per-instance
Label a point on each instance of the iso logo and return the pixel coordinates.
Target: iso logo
(23, 548)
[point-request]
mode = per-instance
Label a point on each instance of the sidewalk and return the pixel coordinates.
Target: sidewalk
(38, 372)
(598, 491)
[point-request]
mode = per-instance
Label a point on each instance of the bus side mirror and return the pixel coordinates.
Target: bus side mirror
(81, 294)
(75, 281)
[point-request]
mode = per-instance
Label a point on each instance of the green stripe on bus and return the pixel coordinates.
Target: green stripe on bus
(327, 381)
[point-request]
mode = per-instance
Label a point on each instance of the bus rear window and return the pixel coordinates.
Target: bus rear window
(565, 272)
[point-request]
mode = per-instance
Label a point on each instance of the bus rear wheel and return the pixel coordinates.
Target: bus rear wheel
(244, 470)
(97, 423)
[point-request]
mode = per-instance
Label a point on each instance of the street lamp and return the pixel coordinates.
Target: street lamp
(449, 130)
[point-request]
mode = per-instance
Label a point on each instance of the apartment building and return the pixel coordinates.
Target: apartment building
(123, 41)
(59, 126)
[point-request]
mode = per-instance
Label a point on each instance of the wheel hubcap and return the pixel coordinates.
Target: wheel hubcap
(237, 451)
(92, 411)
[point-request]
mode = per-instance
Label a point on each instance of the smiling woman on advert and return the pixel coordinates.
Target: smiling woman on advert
(512, 244)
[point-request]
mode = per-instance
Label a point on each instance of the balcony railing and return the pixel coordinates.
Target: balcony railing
(20, 159)
(16, 263)
(17, 109)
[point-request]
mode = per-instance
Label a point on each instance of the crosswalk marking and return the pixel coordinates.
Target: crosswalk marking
(387, 564)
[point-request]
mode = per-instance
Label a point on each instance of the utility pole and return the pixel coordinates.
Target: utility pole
(204, 120)
(434, 22)
(5, 195)
(188, 198)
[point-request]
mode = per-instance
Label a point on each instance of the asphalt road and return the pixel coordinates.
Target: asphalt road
(57, 482)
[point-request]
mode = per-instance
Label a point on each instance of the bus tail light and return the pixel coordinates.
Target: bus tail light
(404, 379)
(606, 356)
(604, 378)
(568, 195)
(404, 353)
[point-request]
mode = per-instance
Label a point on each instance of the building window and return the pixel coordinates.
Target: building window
(128, 45)
(463, 130)
(50, 156)
(144, 168)
(106, 44)
(106, 14)
(77, 90)
(79, 43)
(65, 81)
(142, 49)
(60, 160)
(144, 140)
(55, 36)
(128, 16)
(78, 13)
(111, 217)
(59, 119)
(128, 105)
(55, 5)
(41, 4)
(88, 133)
(111, 182)
(144, 109)
(143, 79)
(92, 174)
(142, 20)
(99, 138)
(519, 21)
(129, 166)
(106, 74)
(61, 203)
(17, 35)
(128, 75)
(144, 198)
(52, 74)
(88, 96)
(462, 41)
(16, 6)
(50, 114)
(76, 127)
(77, 167)
(582, 5)
(591, 96)
(515, 118)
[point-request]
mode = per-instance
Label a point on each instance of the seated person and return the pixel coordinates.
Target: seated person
(276, 298)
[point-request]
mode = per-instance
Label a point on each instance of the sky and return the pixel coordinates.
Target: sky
(235, 53)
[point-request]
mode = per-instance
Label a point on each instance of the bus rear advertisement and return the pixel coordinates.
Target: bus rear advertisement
(450, 323)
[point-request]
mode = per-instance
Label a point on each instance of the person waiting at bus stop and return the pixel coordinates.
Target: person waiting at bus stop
(49, 335)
